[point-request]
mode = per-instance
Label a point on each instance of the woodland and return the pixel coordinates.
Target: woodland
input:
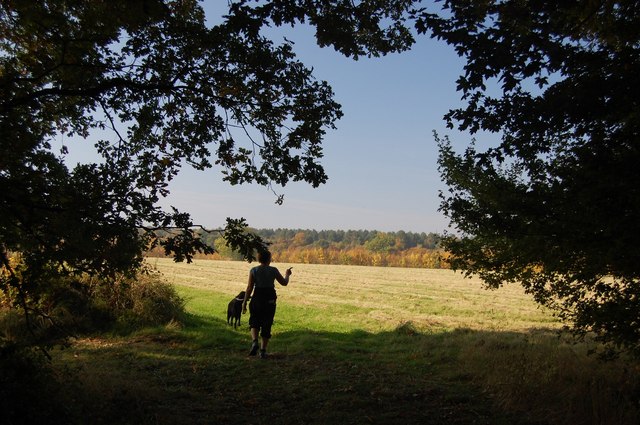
(338, 247)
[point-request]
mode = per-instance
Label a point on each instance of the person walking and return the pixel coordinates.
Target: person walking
(262, 308)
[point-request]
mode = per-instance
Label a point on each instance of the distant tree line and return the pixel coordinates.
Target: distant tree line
(341, 239)
(347, 247)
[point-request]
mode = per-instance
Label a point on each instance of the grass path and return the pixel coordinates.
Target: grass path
(352, 345)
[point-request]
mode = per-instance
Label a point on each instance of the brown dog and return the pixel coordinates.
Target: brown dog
(234, 310)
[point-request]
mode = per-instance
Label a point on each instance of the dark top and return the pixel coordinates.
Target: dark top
(264, 278)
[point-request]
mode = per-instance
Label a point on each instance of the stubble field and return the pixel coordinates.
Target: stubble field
(372, 298)
(353, 345)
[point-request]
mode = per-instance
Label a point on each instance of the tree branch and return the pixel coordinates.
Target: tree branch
(95, 91)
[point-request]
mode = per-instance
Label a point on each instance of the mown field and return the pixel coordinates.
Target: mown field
(344, 298)
(352, 345)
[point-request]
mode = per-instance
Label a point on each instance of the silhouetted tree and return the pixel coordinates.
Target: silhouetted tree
(555, 204)
(156, 88)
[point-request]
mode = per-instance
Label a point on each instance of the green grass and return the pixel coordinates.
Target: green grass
(350, 345)
(368, 298)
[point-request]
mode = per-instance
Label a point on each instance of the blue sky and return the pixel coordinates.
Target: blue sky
(381, 159)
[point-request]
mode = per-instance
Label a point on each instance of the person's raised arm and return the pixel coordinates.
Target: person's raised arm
(284, 281)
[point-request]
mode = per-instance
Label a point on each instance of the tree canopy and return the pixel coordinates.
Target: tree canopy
(553, 205)
(156, 88)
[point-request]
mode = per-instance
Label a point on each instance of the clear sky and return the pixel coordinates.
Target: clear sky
(381, 159)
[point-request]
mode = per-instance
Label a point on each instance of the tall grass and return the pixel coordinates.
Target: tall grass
(34, 392)
(352, 345)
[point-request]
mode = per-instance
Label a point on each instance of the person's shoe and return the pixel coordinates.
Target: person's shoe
(254, 348)
(263, 354)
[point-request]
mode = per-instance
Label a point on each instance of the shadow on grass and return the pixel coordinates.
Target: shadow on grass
(201, 374)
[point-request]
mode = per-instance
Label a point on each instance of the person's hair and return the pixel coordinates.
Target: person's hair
(264, 257)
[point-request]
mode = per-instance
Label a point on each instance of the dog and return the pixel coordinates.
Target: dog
(234, 310)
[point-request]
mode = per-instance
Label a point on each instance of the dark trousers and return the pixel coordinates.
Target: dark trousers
(262, 312)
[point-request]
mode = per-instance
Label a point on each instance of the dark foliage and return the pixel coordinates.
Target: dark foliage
(154, 88)
(555, 204)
